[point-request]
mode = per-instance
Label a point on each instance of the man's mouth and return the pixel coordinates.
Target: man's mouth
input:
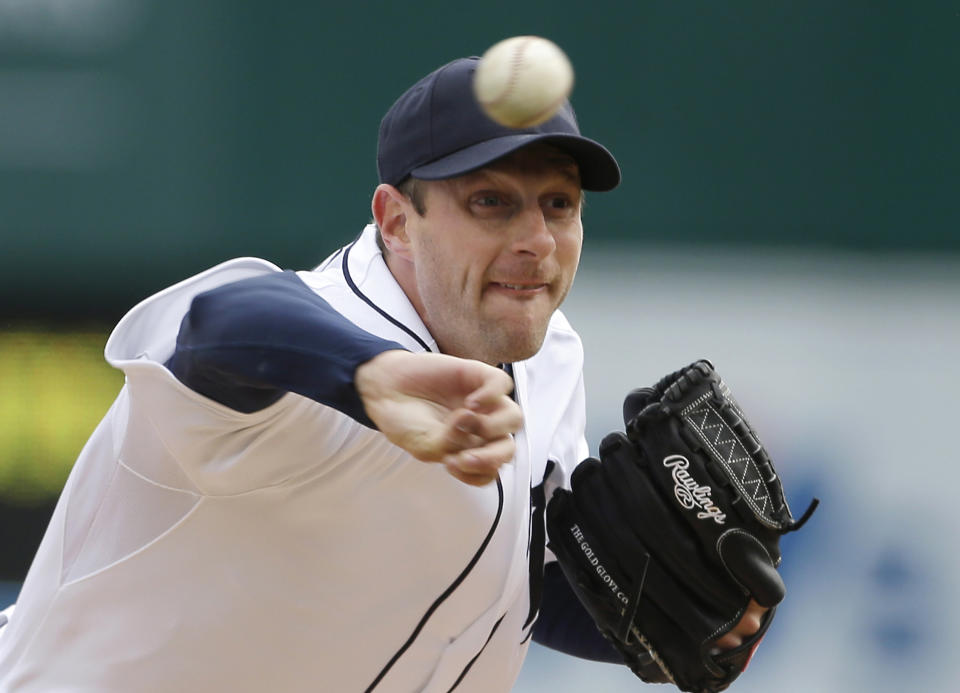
(520, 287)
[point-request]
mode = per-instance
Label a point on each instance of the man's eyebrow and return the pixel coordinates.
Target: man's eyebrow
(571, 173)
(567, 168)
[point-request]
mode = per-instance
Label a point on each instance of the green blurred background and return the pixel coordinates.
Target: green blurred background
(142, 141)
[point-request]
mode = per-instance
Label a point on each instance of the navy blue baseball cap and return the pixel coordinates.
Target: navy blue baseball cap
(437, 130)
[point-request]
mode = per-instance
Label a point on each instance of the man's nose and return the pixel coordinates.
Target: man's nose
(533, 234)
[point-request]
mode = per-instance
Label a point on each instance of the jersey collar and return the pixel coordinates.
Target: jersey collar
(368, 276)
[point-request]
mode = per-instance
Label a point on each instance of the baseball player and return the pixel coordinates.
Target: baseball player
(335, 479)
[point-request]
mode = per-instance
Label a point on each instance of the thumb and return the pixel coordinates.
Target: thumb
(750, 564)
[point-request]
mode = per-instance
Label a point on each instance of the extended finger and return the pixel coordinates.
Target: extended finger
(484, 460)
(503, 419)
(472, 479)
(491, 391)
(728, 641)
(748, 625)
(750, 621)
(464, 431)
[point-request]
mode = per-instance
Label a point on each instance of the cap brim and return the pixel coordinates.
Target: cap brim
(599, 171)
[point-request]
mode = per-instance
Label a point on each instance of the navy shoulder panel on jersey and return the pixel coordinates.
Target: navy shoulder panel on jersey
(247, 343)
(565, 625)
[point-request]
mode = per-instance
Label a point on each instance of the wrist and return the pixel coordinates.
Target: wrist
(368, 377)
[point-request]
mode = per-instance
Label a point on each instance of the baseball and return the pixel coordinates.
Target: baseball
(522, 81)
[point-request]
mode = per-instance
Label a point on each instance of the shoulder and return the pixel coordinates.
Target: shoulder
(149, 329)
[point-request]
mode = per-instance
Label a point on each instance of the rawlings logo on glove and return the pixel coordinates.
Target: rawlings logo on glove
(688, 491)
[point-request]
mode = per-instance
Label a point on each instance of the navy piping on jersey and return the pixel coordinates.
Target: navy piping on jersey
(345, 264)
(476, 656)
(528, 635)
(329, 261)
(446, 593)
(536, 543)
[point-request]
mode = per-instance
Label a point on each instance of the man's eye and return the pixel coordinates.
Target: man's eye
(559, 202)
(488, 200)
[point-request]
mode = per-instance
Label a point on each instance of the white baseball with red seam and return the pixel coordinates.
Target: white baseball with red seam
(522, 81)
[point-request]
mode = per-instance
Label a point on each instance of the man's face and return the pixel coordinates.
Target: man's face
(496, 253)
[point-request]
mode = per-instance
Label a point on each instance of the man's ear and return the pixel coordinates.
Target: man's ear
(390, 208)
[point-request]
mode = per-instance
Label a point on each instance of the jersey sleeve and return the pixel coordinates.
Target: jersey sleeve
(174, 435)
(248, 343)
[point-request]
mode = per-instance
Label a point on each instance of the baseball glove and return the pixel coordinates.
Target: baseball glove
(669, 535)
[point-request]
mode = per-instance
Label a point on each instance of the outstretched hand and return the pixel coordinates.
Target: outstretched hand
(443, 409)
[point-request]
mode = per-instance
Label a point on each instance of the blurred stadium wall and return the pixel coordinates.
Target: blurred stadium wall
(790, 187)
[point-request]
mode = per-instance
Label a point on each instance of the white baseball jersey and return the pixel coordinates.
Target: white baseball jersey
(197, 548)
